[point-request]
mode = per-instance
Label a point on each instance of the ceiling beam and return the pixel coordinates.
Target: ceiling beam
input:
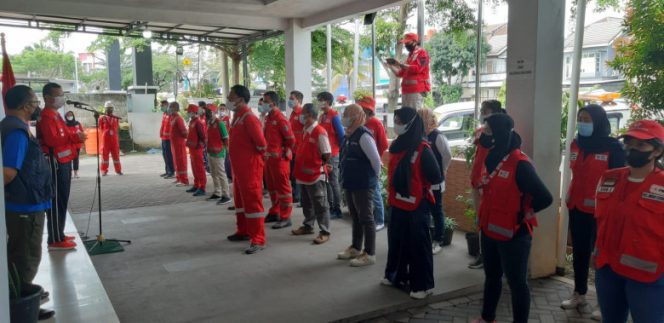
(356, 8)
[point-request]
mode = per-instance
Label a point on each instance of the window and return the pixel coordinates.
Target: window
(456, 126)
(589, 64)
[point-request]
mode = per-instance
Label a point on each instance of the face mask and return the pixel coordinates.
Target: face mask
(584, 128)
(208, 114)
(486, 141)
(264, 108)
(483, 118)
(164, 109)
(191, 115)
(222, 113)
(346, 122)
(59, 102)
(322, 104)
(35, 116)
(637, 158)
(230, 105)
(69, 118)
(291, 103)
(410, 47)
(302, 119)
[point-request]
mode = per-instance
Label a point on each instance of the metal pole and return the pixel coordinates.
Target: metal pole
(356, 59)
(571, 125)
(76, 73)
(420, 20)
(478, 57)
(175, 81)
(329, 58)
(373, 58)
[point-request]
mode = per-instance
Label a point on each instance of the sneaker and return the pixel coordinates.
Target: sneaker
(421, 294)
(69, 238)
(271, 218)
(213, 197)
(386, 282)
(477, 264)
(62, 245)
(349, 253)
(199, 192)
(435, 247)
(104, 174)
(119, 173)
(163, 175)
(191, 190)
(169, 176)
(181, 185)
(596, 316)
(254, 248)
(322, 238)
(282, 224)
(380, 227)
(237, 237)
(574, 302)
(302, 231)
(176, 182)
(363, 260)
(224, 200)
(335, 214)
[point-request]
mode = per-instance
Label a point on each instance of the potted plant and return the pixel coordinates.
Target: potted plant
(24, 299)
(473, 237)
(450, 226)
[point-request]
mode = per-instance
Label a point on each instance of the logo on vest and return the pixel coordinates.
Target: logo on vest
(605, 189)
(610, 182)
(657, 189)
(654, 197)
(602, 157)
(503, 174)
(573, 156)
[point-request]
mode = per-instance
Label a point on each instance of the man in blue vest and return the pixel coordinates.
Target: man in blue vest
(28, 185)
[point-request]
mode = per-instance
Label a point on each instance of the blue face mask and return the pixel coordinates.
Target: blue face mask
(264, 108)
(291, 103)
(585, 128)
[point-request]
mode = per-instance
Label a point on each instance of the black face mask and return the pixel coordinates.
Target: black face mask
(208, 114)
(35, 116)
(486, 141)
(410, 47)
(638, 159)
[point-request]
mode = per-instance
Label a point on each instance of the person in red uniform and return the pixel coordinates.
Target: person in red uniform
(593, 152)
(196, 138)
(331, 122)
(629, 210)
(247, 147)
(377, 130)
(178, 141)
(280, 143)
(165, 135)
(108, 123)
(75, 127)
(295, 103)
(414, 72)
(60, 145)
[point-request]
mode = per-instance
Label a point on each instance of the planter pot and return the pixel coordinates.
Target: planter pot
(473, 240)
(26, 308)
(447, 236)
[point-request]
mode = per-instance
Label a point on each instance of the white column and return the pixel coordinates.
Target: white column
(534, 64)
(4, 274)
(297, 42)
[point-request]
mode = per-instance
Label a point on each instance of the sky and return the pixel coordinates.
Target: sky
(19, 38)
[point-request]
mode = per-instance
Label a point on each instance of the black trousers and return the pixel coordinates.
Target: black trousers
(294, 185)
(509, 258)
(409, 256)
(75, 161)
(168, 156)
(438, 216)
(56, 216)
(583, 228)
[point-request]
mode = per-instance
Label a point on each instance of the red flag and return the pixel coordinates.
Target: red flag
(8, 80)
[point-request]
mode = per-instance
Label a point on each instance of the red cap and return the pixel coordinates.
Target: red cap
(410, 37)
(212, 107)
(192, 108)
(645, 130)
(368, 103)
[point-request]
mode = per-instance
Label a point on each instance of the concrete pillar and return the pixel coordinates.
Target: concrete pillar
(224, 72)
(114, 67)
(534, 62)
(142, 59)
(297, 42)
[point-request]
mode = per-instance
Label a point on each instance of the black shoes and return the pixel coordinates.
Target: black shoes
(191, 190)
(213, 197)
(224, 200)
(236, 237)
(271, 218)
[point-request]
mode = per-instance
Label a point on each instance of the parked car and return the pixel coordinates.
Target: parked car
(456, 122)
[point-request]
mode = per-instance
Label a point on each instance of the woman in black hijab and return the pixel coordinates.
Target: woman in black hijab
(74, 127)
(511, 194)
(593, 152)
(412, 168)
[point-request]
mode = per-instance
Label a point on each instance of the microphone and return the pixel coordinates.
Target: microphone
(77, 103)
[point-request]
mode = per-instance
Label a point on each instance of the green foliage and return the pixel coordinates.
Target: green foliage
(42, 61)
(360, 93)
(429, 101)
(163, 70)
(502, 94)
(450, 93)
(450, 223)
(453, 55)
(640, 57)
(451, 15)
(267, 61)
(469, 206)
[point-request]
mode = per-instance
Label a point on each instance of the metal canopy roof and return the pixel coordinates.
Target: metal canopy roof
(209, 35)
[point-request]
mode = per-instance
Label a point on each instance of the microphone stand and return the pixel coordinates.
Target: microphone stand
(100, 245)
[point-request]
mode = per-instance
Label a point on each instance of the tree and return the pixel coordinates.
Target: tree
(452, 55)
(40, 61)
(267, 61)
(640, 57)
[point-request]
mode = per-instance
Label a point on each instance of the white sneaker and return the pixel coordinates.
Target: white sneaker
(421, 294)
(349, 253)
(386, 282)
(363, 260)
(596, 316)
(574, 302)
(435, 247)
(380, 227)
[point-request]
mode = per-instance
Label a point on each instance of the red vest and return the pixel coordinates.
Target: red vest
(502, 201)
(478, 161)
(194, 138)
(586, 172)
(325, 121)
(215, 144)
(630, 225)
(275, 127)
(165, 130)
(416, 76)
(308, 160)
(418, 184)
(296, 126)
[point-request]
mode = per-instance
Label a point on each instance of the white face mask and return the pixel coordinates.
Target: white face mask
(400, 129)
(346, 122)
(230, 105)
(70, 118)
(59, 102)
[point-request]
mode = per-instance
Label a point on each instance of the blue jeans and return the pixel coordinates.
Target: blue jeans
(168, 157)
(379, 210)
(618, 295)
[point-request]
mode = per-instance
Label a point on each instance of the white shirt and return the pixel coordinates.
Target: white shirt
(444, 149)
(368, 146)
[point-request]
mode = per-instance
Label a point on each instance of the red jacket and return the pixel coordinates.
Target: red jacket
(378, 131)
(247, 144)
(278, 134)
(586, 172)
(478, 161)
(54, 136)
(197, 133)
(296, 126)
(165, 130)
(502, 202)
(178, 129)
(418, 185)
(76, 129)
(415, 79)
(325, 121)
(630, 225)
(215, 143)
(309, 160)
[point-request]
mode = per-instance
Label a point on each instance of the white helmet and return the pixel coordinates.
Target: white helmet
(108, 104)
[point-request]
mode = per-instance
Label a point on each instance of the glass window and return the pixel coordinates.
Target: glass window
(588, 65)
(456, 126)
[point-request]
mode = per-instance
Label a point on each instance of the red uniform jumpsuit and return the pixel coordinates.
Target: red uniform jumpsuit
(378, 131)
(196, 142)
(178, 137)
(280, 144)
(247, 147)
(415, 79)
(110, 142)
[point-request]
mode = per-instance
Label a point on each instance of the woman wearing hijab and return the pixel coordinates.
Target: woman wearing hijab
(74, 127)
(412, 168)
(593, 152)
(511, 194)
(441, 150)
